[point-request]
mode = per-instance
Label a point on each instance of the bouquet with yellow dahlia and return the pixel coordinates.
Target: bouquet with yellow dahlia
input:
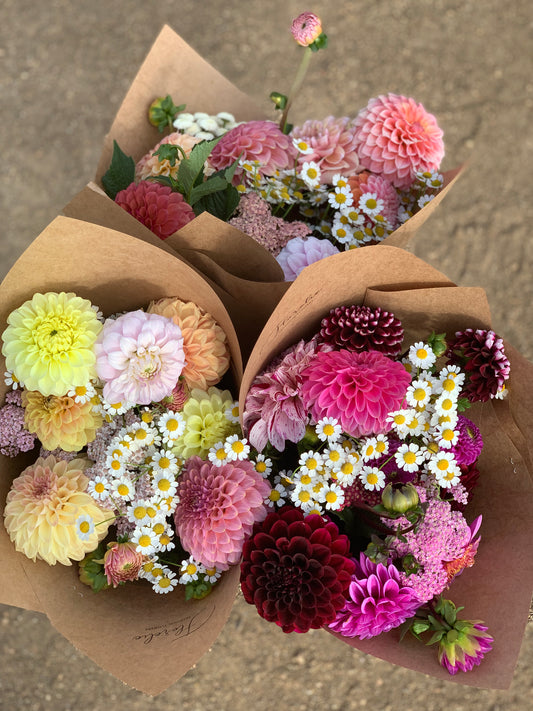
(302, 192)
(121, 449)
(354, 396)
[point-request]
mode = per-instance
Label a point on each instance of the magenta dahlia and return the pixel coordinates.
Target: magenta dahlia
(396, 137)
(482, 357)
(273, 410)
(157, 206)
(358, 389)
(261, 141)
(217, 509)
(334, 145)
(296, 570)
(463, 647)
(361, 328)
(377, 601)
(470, 442)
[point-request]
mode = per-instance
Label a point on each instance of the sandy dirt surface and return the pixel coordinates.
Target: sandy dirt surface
(65, 67)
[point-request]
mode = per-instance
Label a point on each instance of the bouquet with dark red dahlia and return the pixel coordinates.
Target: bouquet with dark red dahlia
(371, 426)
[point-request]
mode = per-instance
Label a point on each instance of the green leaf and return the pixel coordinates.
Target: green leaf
(193, 166)
(170, 153)
(120, 173)
(213, 185)
(463, 404)
(435, 637)
(162, 112)
(221, 204)
(420, 626)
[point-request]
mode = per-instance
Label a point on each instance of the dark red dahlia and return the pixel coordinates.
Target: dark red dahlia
(361, 328)
(481, 355)
(296, 570)
(157, 206)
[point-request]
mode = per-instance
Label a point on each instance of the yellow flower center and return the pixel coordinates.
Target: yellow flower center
(274, 495)
(172, 424)
(145, 541)
(139, 512)
(85, 527)
(409, 457)
(331, 497)
(372, 478)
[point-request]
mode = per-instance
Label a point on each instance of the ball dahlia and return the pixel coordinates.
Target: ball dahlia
(396, 137)
(217, 509)
(157, 206)
(361, 328)
(358, 389)
(204, 342)
(334, 146)
(151, 166)
(49, 341)
(60, 422)
(139, 357)
(296, 570)
(43, 505)
(377, 601)
(300, 252)
(260, 141)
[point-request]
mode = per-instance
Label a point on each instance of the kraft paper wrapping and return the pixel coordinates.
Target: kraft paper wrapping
(498, 588)
(128, 630)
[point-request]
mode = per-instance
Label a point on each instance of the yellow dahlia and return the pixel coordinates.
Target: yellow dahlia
(43, 505)
(204, 342)
(205, 422)
(60, 421)
(48, 344)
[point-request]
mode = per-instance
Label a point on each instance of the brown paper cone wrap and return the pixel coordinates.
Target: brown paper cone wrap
(498, 588)
(129, 630)
(173, 67)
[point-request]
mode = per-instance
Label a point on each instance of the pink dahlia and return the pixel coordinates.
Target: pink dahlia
(139, 357)
(151, 166)
(300, 252)
(261, 141)
(358, 389)
(157, 206)
(274, 411)
(296, 570)
(464, 646)
(334, 146)
(122, 562)
(396, 137)
(217, 509)
(306, 28)
(383, 190)
(377, 601)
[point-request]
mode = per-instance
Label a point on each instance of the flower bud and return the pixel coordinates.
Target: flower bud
(122, 562)
(306, 28)
(399, 498)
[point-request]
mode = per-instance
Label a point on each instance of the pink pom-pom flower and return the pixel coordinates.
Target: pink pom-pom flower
(396, 137)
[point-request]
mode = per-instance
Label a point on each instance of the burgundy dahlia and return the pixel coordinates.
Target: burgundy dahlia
(358, 389)
(481, 355)
(377, 601)
(296, 570)
(157, 206)
(360, 328)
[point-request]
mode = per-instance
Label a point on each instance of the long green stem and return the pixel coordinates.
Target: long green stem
(297, 83)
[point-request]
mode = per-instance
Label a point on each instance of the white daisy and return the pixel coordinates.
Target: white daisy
(302, 146)
(164, 484)
(190, 569)
(310, 461)
(82, 393)
(332, 496)
(372, 478)
(232, 413)
(328, 428)
(165, 583)
(409, 457)
(342, 197)
(263, 465)
(370, 204)
(217, 454)
(171, 425)
(84, 527)
(277, 497)
(98, 488)
(145, 540)
(422, 355)
(310, 174)
(236, 449)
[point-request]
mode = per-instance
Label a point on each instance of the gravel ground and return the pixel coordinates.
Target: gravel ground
(65, 69)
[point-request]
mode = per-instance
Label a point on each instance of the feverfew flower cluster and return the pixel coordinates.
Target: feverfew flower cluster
(122, 422)
(367, 434)
(303, 192)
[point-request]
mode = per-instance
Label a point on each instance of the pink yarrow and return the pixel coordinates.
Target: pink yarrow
(396, 137)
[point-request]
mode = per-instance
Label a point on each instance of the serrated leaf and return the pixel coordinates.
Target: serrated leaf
(221, 204)
(213, 185)
(120, 173)
(191, 167)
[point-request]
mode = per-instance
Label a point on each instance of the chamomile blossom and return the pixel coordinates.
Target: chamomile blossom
(232, 413)
(332, 496)
(310, 174)
(263, 465)
(409, 457)
(139, 512)
(116, 408)
(302, 146)
(370, 204)
(302, 497)
(143, 434)
(165, 583)
(277, 497)
(369, 449)
(342, 197)
(305, 479)
(99, 488)
(123, 488)
(145, 539)
(445, 469)
(333, 456)
(116, 466)
(164, 484)
(236, 449)
(11, 380)
(446, 435)
(171, 425)
(84, 527)
(190, 569)
(217, 455)
(339, 181)
(342, 232)
(328, 428)
(423, 200)
(164, 536)
(418, 394)
(82, 393)
(348, 469)
(284, 477)
(421, 355)
(372, 478)
(310, 461)
(212, 575)
(165, 461)
(445, 404)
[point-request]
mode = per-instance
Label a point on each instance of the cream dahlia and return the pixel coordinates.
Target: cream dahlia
(151, 166)
(217, 509)
(333, 144)
(43, 505)
(48, 343)
(204, 342)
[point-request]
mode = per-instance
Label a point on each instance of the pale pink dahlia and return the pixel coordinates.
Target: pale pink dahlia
(306, 28)
(396, 137)
(218, 508)
(261, 141)
(157, 206)
(274, 411)
(139, 357)
(358, 389)
(122, 562)
(151, 166)
(334, 146)
(377, 601)
(300, 252)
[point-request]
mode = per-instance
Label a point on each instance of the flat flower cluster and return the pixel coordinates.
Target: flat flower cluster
(369, 453)
(126, 412)
(304, 192)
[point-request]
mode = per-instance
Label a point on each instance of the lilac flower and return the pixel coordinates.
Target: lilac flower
(14, 438)
(378, 601)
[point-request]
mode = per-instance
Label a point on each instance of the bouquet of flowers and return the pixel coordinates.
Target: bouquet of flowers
(303, 192)
(110, 436)
(382, 414)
